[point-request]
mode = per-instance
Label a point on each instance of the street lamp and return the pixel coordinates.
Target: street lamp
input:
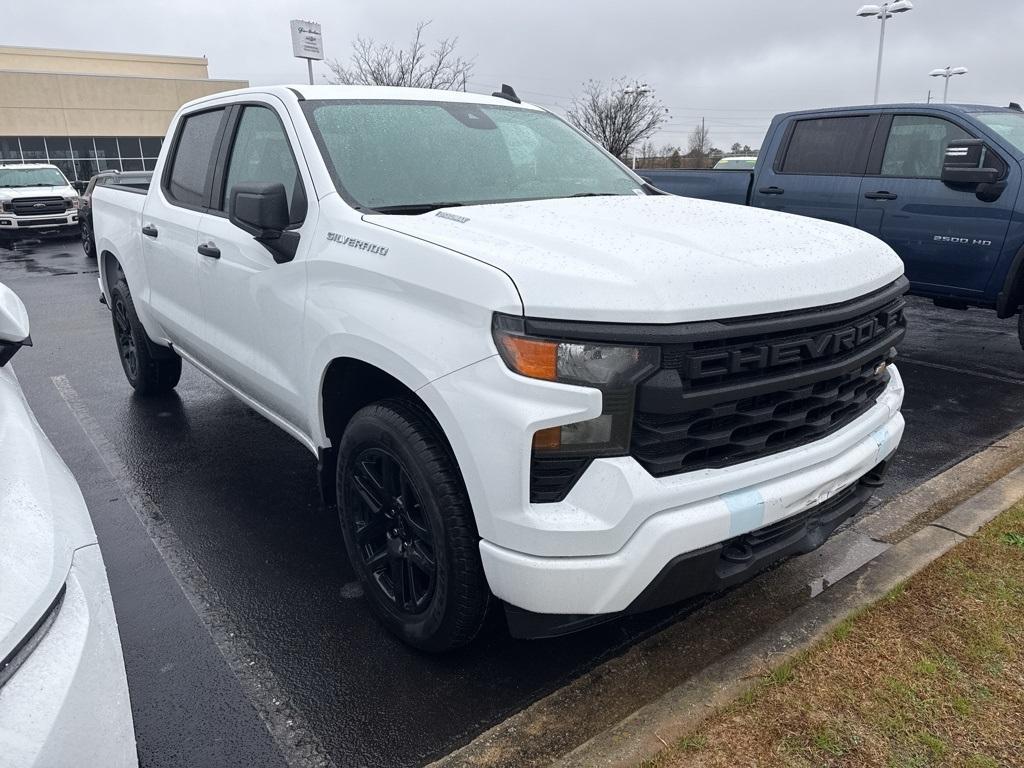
(883, 11)
(637, 89)
(947, 73)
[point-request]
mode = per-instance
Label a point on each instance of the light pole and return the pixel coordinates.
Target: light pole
(947, 73)
(883, 11)
(638, 89)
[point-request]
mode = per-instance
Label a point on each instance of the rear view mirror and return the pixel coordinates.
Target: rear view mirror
(262, 211)
(13, 324)
(967, 162)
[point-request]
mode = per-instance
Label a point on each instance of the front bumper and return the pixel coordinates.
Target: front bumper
(597, 551)
(67, 702)
(11, 223)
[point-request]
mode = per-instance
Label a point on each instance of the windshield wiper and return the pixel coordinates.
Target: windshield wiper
(414, 208)
(597, 194)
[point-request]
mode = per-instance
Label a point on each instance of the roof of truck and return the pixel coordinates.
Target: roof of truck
(904, 107)
(366, 92)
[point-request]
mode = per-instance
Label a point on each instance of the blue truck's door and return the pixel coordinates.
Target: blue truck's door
(948, 239)
(819, 162)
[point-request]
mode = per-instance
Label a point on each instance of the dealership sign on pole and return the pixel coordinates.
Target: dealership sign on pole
(307, 43)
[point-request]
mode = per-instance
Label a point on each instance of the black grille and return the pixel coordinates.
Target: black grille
(42, 222)
(38, 206)
(740, 430)
(736, 391)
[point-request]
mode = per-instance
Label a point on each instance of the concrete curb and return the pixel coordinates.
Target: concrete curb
(650, 729)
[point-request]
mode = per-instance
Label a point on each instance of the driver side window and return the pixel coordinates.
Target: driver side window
(917, 146)
(261, 153)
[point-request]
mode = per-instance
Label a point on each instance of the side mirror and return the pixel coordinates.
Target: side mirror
(80, 186)
(13, 324)
(963, 163)
(262, 211)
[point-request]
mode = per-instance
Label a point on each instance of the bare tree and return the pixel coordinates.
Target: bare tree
(699, 142)
(616, 115)
(376, 63)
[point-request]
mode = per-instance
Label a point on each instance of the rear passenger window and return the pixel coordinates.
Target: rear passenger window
(193, 158)
(262, 154)
(917, 146)
(831, 146)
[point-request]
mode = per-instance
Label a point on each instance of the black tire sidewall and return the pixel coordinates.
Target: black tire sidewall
(155, 375)
(120, 294)
(382, 426)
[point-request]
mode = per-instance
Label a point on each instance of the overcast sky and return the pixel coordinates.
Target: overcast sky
(734, 62)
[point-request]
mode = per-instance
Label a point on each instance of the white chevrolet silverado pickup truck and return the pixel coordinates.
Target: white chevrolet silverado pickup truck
(526, 374)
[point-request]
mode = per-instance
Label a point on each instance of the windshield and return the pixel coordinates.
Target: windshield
(412, 156)
(1009, 125)
(32, 177)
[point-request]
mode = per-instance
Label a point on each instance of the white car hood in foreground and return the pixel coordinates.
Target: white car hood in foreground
(43, 517)
(659, 259)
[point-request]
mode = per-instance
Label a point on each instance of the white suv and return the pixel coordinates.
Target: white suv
(34, 197)
(524, 372)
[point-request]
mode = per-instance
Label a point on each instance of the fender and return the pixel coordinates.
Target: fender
(357, 348)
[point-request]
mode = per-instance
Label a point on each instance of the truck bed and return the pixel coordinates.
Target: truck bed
(723, 186)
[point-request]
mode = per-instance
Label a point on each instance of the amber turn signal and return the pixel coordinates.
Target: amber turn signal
(535, 358)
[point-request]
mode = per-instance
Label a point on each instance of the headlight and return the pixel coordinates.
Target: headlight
(74, 202)
(613, 369)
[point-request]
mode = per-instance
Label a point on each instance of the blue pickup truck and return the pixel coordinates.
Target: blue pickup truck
(940, 183)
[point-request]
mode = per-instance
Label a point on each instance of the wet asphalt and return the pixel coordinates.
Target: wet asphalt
(246, 641)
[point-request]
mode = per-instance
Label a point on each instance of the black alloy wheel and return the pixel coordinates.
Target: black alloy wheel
(125, 339)
(149, 368)
(409, 528)
(394, 535)
(87, 242)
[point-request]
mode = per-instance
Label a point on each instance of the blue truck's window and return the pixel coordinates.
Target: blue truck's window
(193, 157)
(1009, 125)
(830, 145)
(917, 145)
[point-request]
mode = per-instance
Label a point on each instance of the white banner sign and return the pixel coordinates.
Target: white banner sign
(307, 42)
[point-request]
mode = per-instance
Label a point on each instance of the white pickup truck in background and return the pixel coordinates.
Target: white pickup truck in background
(525, 373)
(35, 197)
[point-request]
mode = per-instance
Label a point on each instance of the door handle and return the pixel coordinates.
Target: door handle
(209, 249)
(772, 191)
(150, 231)
(880, 196)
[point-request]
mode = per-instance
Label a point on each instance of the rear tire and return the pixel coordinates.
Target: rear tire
(409, 528)
(88, 243)
(150, 369)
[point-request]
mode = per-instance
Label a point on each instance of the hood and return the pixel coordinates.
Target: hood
(659, 259)
(63, 190)
(42, 516)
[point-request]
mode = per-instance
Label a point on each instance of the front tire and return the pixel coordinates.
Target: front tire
(151, 370)
(409, 528)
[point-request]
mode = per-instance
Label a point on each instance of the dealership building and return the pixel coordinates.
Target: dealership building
(89, 111)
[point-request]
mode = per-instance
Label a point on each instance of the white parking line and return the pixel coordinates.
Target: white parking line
(298, 745)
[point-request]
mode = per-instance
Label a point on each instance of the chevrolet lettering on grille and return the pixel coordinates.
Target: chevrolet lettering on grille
(758, 357)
